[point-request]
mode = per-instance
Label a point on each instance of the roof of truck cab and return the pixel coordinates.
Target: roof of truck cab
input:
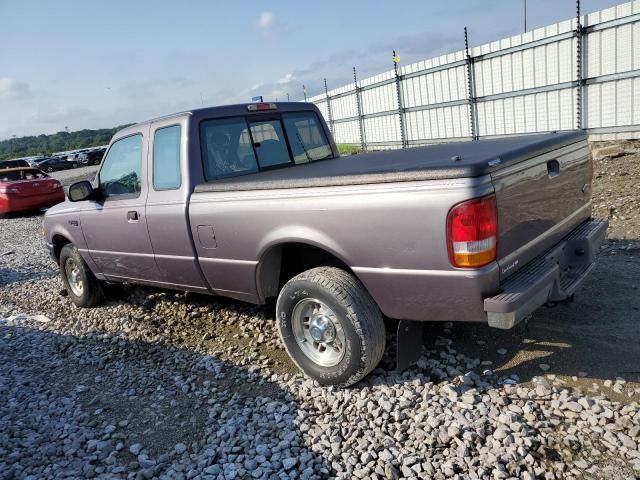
(226, 111)
(440, 161)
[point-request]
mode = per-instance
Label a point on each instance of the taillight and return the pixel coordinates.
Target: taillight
(472, 229)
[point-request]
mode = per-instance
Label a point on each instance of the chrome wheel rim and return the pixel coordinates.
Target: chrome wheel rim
(318, 332)
(72, 271)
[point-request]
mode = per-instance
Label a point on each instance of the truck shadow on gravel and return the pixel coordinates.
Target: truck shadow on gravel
(10, 276)
(591, 340)
(129, 406)
(19, 215)
(594, 339)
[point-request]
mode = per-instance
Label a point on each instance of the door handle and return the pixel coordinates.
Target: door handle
(132, 215)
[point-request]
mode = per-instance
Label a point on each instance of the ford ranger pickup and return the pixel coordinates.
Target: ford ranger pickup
(254, 202)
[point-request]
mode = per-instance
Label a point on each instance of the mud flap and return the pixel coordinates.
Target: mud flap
(409, 343)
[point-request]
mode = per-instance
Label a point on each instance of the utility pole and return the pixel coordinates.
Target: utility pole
(326, 94)
(525, 16)
(471, 89)
(403, 136)
(579, 79)
(363, 140)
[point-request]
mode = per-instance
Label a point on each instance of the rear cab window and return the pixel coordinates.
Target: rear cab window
(248, 144)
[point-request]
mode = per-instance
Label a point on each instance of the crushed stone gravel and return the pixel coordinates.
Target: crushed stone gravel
(159, 384)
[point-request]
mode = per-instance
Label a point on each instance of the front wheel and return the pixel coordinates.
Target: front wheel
(330, 326)
(84, 289)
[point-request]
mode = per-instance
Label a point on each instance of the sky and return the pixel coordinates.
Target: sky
(87, 64)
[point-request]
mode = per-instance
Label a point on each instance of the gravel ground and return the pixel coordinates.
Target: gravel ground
(168, 385)
(616, 180)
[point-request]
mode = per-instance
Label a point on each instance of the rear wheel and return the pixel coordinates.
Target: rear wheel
(49, 169)
(330, 326)
(84, 289)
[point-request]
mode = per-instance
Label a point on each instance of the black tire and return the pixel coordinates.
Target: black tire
(91, 293)
(75, 165)
(360, 322)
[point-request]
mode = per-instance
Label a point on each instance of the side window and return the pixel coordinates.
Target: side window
(166, 158)
(121, 170)
(271, 147)
(226, 148)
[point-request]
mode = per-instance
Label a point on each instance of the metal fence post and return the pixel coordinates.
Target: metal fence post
(326, 92)
(363, 139)
(471, 88)
(403, 136)
(579, 79)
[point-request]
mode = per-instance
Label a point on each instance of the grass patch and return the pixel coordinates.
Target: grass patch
(348, 149)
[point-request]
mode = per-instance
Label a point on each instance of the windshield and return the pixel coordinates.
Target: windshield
(242, 145)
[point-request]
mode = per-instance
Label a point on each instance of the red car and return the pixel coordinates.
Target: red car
(26, 188)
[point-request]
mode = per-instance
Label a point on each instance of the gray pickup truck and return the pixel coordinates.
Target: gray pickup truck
(254, 202)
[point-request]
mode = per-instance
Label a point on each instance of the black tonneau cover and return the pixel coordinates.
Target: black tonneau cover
(432, 162)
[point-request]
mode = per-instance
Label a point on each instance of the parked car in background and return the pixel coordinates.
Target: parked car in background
(51, 164)
(27, 188)
(13, 164)
(254, 202)
(75, 159)
(91, 157)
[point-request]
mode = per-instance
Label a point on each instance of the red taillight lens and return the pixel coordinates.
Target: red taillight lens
(472, 229)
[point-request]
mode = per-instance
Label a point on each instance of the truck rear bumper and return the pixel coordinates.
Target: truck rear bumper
(552, 277)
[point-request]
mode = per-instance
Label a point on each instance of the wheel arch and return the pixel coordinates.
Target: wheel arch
(283, 260)
(59, 241)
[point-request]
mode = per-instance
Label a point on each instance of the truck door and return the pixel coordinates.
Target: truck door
(115, 227)
(167, 202)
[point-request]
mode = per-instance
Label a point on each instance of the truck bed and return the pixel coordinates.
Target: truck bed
(431, 162)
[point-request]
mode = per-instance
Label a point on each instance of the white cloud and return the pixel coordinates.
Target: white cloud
(266, 20)
(286, 79)
(11, 89)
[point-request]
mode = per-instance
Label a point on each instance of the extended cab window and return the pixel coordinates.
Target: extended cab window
(121, 170)
(166, 158)
(239, 145)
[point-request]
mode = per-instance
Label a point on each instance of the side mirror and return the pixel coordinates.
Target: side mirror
(80, 191)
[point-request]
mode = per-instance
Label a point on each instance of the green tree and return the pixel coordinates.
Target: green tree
(58, 142)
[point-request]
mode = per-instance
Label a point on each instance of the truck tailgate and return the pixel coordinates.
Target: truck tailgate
(540, 200)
